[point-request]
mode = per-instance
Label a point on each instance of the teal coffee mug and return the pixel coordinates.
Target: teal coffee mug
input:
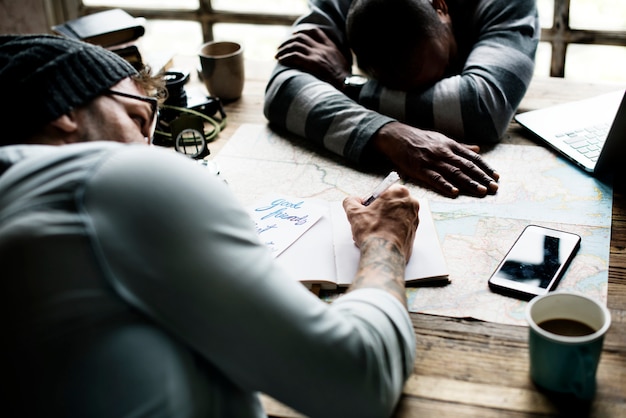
(566, 333)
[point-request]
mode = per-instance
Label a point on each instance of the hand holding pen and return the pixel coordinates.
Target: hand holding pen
(394, 218)
(390, 180)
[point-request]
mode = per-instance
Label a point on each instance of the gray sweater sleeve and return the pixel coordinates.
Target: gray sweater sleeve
(179, 247)
(474, 106)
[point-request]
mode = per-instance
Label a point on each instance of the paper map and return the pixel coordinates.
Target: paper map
(536, 187)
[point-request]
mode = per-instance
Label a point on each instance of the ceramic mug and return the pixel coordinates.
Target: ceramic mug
(566, 333)
(222, 69)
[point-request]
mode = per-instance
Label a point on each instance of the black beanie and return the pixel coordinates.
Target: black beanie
(42, 77)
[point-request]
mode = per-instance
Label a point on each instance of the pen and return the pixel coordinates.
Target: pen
(391, 178)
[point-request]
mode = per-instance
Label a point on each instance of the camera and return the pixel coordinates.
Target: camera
(184, 115)
(178, 96)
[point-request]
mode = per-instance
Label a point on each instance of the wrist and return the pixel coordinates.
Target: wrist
(382, 266)
(385, 139)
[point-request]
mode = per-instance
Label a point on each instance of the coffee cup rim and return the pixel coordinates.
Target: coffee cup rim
(230, 54)
(563, 338)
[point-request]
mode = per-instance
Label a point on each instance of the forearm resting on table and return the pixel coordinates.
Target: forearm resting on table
(382, 267)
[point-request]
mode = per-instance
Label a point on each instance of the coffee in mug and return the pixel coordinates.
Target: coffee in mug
(566, 327)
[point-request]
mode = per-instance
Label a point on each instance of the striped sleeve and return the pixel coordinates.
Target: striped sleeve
(303, 105)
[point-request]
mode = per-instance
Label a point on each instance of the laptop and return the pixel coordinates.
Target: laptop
(591, 132)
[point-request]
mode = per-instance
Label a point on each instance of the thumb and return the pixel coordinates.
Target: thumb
(351, 203)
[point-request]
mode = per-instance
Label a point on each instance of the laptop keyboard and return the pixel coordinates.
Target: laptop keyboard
(587, 141)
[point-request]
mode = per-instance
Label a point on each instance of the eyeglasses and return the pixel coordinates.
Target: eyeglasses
(154, 103)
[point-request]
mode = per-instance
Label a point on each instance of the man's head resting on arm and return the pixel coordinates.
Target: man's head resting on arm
(404, 44)
(53, 86)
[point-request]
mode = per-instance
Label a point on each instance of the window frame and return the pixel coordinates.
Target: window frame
(206, 15)
(559, 36)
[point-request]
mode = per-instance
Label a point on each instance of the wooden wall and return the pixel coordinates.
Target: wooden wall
(23, 16)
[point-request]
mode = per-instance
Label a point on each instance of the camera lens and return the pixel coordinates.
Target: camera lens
(175, 84)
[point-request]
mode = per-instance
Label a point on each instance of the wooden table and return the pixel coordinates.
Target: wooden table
(466, 367)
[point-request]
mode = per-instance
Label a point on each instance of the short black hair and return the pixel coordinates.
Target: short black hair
(384, 33)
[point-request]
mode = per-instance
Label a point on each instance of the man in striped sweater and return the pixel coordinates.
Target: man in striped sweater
(453, 77)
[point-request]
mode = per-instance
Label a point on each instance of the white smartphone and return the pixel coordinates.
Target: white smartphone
(535, 263)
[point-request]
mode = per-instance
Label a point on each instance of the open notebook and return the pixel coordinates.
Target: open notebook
(590, 132)
(312, 240)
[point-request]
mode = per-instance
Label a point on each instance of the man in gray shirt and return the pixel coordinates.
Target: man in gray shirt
(134, 284)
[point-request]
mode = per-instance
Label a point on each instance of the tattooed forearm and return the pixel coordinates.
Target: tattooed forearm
(382, 266)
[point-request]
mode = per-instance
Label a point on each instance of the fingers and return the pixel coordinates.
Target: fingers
(439, 183)
(397, 192)
(479, 162)
(296, 51)
(455, 182)
(352, 203)
(474, 176)
(303, 41)
(394, 192)
(462, 171)
(293, 47)
(298, 38)
(451, 180)
(313, 52)
(316, 34)
(295, 60)
(394, 217)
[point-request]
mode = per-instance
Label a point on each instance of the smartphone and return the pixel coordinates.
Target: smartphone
(535, 263)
